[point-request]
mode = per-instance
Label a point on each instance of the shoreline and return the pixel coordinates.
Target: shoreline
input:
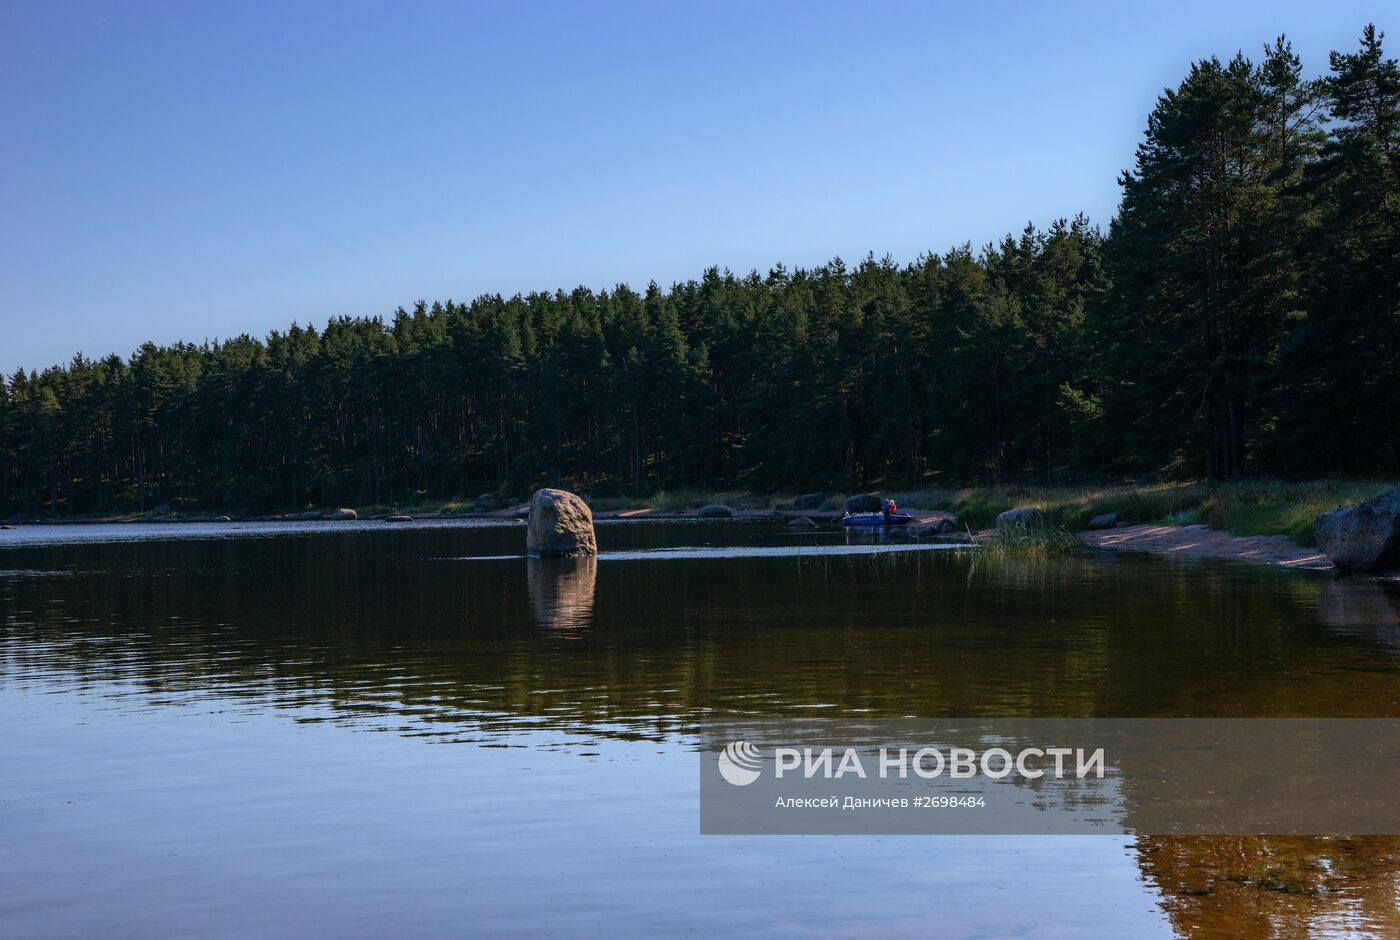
(1185, 541)
(1199, 541)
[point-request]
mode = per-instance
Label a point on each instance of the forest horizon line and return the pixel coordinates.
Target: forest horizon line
(1240, 316)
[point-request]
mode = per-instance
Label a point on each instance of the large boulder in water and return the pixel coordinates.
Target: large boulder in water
(344, 515)
(864, 502)
(1364, 537)
(809, 501)
(561, 524)
(1028, 517)
(716, 511)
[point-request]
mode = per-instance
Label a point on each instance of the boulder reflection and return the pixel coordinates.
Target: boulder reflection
(561, 591)
(1362, 608)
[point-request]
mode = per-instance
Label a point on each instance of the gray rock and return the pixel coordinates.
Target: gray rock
(398, 517)
(1028, 517)
(1364, 537)
(716, 511)
(222, 519)
(864, 502)
(6, 526)
(561, 524)
(1106, 521)
(344, 515)
(801, 522)
(489, 502)
(943, 526)
(809, 501)
(310, 514)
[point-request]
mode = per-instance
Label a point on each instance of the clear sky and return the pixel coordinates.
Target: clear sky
(199, 170)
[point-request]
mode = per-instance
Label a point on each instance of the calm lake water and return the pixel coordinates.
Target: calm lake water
(358, 729)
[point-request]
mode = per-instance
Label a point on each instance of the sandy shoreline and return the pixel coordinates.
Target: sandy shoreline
(1198, 541)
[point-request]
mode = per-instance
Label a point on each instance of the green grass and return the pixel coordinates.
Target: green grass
(677, 500)
(1273, 508)
(1036, 541)
(1073, 507)
(1262, 507)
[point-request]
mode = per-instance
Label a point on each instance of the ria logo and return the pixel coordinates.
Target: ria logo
(740, 763)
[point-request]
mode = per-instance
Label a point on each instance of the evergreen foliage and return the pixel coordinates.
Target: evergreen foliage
(1240, 317)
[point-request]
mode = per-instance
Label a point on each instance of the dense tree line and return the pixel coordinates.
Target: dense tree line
(1241, 316)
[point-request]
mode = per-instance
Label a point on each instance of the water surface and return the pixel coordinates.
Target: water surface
(346, 727)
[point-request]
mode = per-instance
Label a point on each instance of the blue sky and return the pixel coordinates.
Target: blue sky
(199, 170)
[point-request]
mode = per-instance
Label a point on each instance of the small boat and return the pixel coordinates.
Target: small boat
(876, 519)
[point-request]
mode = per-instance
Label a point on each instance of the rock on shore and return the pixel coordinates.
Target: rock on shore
(1364, 537)
(1028, 517)
(561, 524)
(864, 502)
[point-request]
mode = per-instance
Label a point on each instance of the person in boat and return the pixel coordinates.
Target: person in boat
(888, 509)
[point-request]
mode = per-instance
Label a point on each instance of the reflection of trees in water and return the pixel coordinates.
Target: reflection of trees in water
(1275, 886)
(394, 631)
(561, 591)
(377, 624)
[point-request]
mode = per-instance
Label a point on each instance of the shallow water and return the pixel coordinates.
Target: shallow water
(343, 727)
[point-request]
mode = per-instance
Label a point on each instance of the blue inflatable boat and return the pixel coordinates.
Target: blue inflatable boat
(876, 518)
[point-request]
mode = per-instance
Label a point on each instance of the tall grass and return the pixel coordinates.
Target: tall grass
(679, 499)
(1073, 507)
(1031, 541)
(1274, 508)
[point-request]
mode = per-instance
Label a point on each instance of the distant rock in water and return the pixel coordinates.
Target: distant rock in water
(1027, 517)
(310, 515)
(716, 511)
(489, 502)
(560, 524)
(809, 501)
(1364, 537)
(399, 517)
(222, 519)
(1106, 521)
(344, 515)
(864, 502)
(801, 522)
